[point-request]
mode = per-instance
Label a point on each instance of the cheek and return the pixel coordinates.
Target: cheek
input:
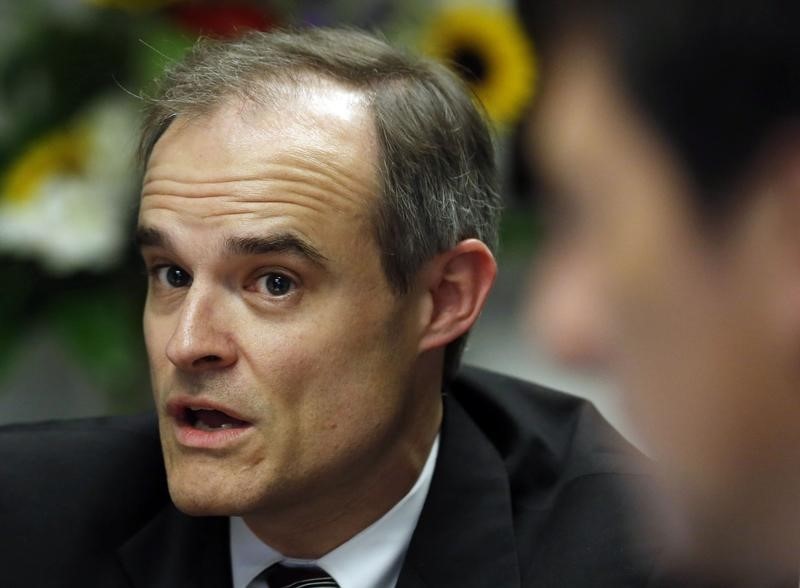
(327, 365)
(332, 394)
(690, 372)
(654, 279)
(157, 326)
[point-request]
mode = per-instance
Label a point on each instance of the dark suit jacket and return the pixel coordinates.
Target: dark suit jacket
(526, 492)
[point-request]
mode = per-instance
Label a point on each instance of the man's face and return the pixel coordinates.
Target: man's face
(696, 328)
(281, 360)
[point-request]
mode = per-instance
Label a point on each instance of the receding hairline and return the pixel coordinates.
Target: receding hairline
(275, 91)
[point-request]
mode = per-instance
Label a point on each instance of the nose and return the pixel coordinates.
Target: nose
(201, 340)
(567, 311)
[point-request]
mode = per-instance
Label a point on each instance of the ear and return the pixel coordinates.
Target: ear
(457, 283)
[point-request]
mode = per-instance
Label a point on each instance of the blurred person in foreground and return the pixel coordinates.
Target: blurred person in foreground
(668, 139)
(317, 217)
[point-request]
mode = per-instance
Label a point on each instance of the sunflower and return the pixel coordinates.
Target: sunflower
(489, 49)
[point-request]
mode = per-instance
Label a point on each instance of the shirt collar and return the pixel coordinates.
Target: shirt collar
(249, 556)
(369, 559)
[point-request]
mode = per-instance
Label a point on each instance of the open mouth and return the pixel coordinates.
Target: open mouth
(208, 419)
(205, 424)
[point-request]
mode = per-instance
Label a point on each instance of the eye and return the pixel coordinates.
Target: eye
(276, 284)
(173, 276)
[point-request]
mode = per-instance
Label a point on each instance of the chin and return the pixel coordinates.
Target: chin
(196, 501)
(205, 491)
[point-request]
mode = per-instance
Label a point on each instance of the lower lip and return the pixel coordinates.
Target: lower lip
(188, 436)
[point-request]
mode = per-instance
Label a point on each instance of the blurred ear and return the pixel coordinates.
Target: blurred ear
(457, 283)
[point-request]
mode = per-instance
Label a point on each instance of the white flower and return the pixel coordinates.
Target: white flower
(66, 199)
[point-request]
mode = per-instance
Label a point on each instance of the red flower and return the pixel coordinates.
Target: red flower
(221, 20)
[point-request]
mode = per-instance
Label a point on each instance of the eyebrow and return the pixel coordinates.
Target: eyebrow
(244, 245)
(280, 243)
(150, 237)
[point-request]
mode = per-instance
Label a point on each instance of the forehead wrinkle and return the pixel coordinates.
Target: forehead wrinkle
(165, 173)
(318, 169)
(190, 188)
(226, 213)
(284, 183)
(323, 165)
(291, 195)
(253, 212)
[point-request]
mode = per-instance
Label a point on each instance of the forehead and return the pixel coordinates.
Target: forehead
(307, 157)
(319, 119)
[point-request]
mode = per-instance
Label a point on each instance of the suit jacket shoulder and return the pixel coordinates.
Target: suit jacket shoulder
(536, 429)
(535, 487)
(73, 491)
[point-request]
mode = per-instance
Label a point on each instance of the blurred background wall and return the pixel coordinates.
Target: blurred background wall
(72, 77)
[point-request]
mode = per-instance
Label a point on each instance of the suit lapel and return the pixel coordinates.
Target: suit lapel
(465, 534)
(176, 550)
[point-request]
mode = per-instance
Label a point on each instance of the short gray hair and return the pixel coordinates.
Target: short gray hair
(437, 168)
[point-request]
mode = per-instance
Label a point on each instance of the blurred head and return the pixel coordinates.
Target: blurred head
(667, 137)
(315, 216)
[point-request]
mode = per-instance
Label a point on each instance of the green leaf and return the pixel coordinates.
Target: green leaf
(102, 330)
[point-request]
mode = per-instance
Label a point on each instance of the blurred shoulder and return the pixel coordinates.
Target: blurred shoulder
(528, 421)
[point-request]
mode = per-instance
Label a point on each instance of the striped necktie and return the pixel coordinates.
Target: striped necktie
(281, 576)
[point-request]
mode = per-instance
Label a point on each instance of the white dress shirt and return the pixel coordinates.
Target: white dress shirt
(370, 559)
